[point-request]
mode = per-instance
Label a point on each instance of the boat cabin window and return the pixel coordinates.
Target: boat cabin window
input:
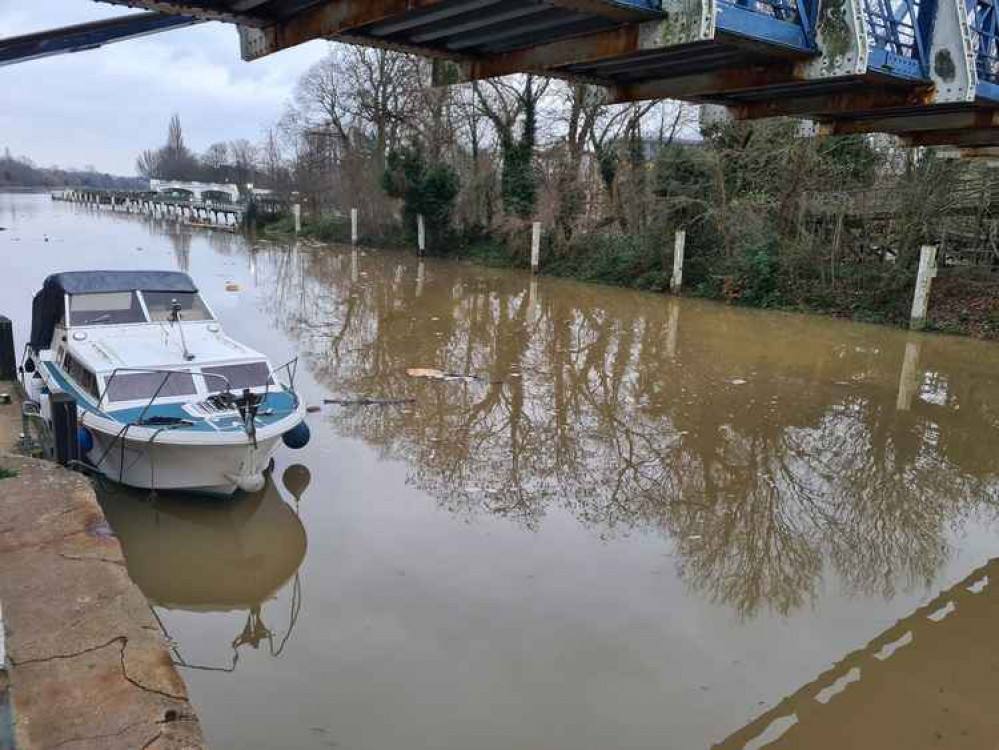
(105, 308)
(83, 376)
(160, 306)
(248, 375)
(142, 386)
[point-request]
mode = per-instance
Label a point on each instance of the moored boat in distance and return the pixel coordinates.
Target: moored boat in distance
(166, 400)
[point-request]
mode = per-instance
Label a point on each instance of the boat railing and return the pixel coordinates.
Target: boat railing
(291, 368)
(159, 389)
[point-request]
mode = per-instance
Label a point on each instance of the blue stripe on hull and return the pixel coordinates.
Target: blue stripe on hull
(282, 403)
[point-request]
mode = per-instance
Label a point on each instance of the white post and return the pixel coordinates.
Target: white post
(421, 275)
(354, 226)
(296, 211)
(536, 247)
(421, 231)
(676, 282)
(908, 383)
(924, 282)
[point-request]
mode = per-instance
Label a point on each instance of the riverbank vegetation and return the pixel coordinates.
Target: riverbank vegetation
(774, 216)
(22, 172)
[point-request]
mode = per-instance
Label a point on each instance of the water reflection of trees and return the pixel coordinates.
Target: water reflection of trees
(764, 455)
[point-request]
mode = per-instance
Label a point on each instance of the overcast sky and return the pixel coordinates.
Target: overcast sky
(102, 107)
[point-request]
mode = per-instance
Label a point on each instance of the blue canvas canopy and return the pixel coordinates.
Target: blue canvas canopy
(48, 306)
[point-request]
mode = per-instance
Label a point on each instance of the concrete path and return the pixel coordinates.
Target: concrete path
(88, 666)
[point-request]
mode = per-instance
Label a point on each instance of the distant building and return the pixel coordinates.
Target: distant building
(200, 191)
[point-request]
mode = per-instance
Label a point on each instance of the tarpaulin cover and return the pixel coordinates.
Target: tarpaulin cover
(48, 306)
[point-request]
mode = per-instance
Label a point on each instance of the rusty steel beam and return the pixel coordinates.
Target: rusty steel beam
(915, 121)
(611, 10)
(604, 45)
(713, 84)
(959, 138)
(325, 21)
(453, 59)
(193, 10)
(821, 106)
(979, 152)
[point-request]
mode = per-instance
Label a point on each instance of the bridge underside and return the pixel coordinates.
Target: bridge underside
(86, 36)
(911, 67)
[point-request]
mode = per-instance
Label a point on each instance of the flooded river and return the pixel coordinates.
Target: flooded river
(645, 523)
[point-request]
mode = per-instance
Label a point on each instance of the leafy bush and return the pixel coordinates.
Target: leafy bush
(423, 189)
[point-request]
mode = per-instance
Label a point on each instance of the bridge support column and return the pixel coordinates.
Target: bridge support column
(924, 283)
(679, 249)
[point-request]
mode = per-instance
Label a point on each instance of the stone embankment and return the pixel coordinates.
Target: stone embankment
(87, 665)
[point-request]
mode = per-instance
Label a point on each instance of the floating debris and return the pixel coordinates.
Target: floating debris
(432, 374)
(369, 401)
(232, 287)
(313, 409)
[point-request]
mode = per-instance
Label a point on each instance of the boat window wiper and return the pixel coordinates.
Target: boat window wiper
(105, 318)
(175, 308)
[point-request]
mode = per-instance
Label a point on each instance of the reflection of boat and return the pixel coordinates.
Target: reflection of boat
(208, 558)
(167, 399)
(189, 556)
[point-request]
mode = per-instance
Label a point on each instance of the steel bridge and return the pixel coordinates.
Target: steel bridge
(927, 679)
(927, 70)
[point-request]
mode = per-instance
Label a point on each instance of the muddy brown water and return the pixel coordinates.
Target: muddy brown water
(647, 523)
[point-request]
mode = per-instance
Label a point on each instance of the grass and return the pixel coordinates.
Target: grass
(7, 473)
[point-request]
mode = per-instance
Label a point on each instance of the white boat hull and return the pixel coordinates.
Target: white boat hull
(210, 469)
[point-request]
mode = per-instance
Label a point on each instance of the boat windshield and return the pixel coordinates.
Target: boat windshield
(247, 375)
(105, 308)
(160, 305)
(136, 386)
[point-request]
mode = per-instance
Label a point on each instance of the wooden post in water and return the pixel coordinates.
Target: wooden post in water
(421, 234)
(296, 211)
(536, 247)
(908, 383)
(8, 361)
(354, 226)
(672, 327)
(679, 247)
(924, 283)
(64, 428)
(421, 276)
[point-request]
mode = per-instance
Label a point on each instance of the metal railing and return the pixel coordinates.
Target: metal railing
(166, 377)
(290, 368)
(894, 26)
(983, 24)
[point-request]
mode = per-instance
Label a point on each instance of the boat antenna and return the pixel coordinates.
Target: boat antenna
(175, 309)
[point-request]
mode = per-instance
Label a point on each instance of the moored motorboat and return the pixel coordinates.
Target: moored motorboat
(166, 400)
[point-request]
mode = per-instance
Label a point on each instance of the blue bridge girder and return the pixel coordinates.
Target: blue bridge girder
(87, 36)
(904, 66)
(705, 50)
